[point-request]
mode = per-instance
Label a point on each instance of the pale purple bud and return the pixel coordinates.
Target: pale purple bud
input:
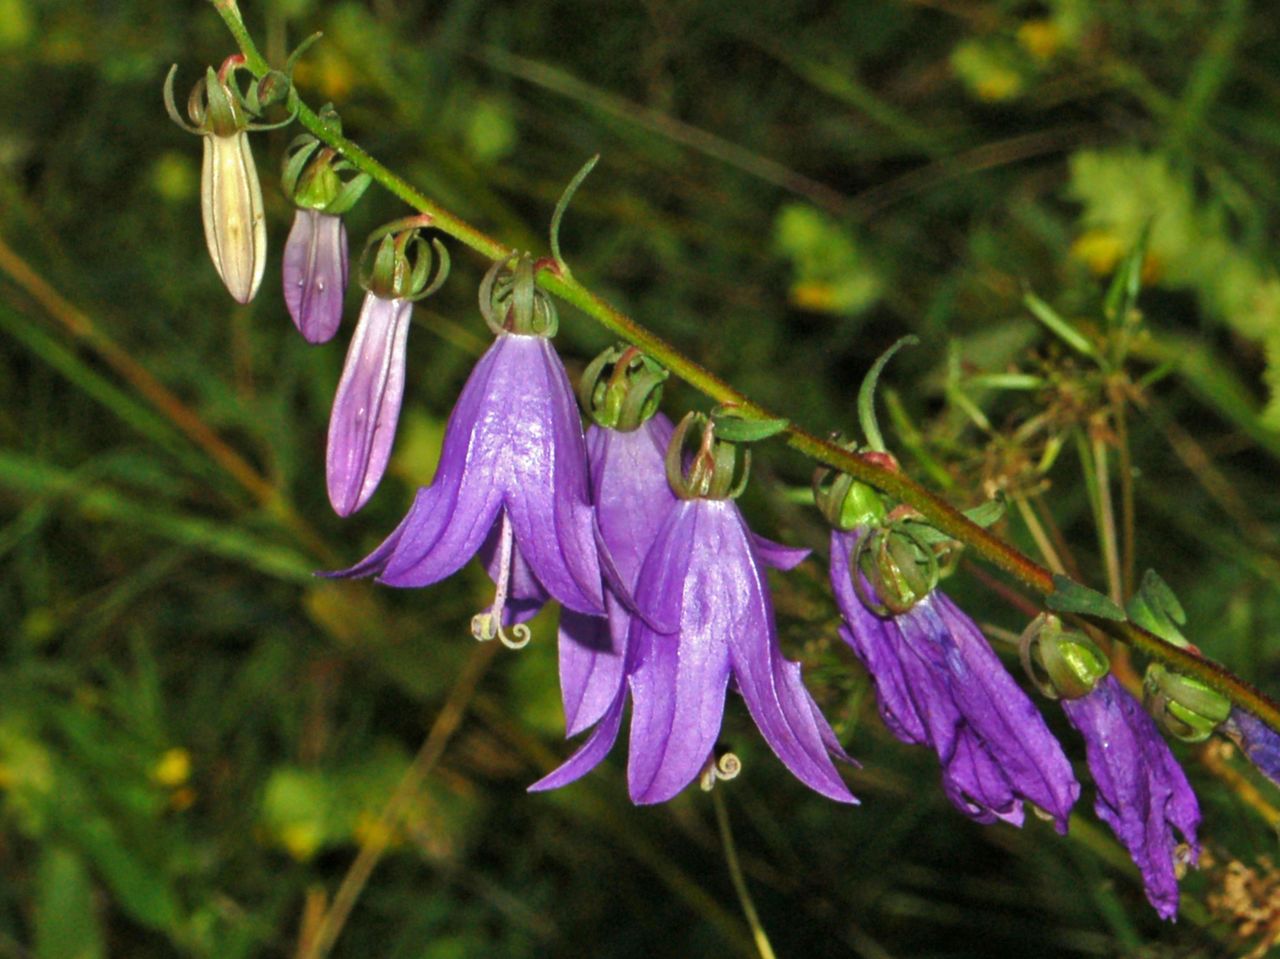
(362, 426)
(315, 273)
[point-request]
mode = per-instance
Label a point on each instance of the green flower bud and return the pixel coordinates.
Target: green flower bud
(1185, 707)
(1062, 664)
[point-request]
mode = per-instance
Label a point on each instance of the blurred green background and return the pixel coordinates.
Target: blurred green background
(198, 738)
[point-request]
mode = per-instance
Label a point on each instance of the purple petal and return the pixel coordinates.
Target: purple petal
(592, 655)
(513, 440)
(315, 273)
(534, 420)
(771, 685)
(976, 785)
(590, 753)
(366, 407)
(1143, 794)
(778, 555)
(1005, 719)
(679, 681)
(878, 644)
(1259, 742)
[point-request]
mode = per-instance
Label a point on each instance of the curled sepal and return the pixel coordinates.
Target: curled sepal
(1186, 708)
(867, 394)
(712, 472)
(511, 302)
(1062, 664)
(400, 267)
(313, 177)
(900, 568)
(621, 388)
(563, 205)
(1156, 609)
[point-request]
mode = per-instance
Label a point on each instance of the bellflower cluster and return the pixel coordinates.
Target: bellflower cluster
(512, 477)
(702, 619)
(315, 255)
(366, 406)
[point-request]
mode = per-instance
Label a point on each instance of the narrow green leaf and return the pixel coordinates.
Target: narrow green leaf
(66, 918)
(734, 429)
(1068, 596)
(1058, 326)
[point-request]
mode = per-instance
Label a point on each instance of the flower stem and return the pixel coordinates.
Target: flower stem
(739, 881)
(932, 508)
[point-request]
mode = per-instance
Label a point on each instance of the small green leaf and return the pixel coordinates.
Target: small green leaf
(1068, 596)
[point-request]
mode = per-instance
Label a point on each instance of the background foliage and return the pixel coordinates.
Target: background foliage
(196, 736)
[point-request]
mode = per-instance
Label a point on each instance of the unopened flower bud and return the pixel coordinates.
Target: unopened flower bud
(901, 568)
(231, 205)
(235, 229)
(315, 273)
(1062, 664)
(1185, 707)
(366, 407)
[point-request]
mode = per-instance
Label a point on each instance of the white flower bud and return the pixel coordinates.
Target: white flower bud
(231, 205)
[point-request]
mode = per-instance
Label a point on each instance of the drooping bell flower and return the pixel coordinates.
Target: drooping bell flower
(939, 684)
(315, 255)
(626, 451)
(366, 406)
(230, 196)
(704, 575)
(512, 475)
(1142, 792)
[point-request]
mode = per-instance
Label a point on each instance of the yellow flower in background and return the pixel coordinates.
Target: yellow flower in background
(1099, 250)
(173, 769)
(1040, 38)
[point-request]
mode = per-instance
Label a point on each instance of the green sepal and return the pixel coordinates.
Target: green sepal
(1184, 706)
(867, 394)
(732, 427)
(1062, 664)
(1068, 596)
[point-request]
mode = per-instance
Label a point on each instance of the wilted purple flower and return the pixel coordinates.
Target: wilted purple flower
(633, 498)
(512, 466)
(704, 575)
(939, 684)
(362, 426)
(1143, 794)
(315, 273)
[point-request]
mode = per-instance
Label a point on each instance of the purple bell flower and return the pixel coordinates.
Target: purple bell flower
(362, 426)
(315, 273)
(939, 684)
(1143, 794)
(633, 498)
(704, 576)
(513, 479)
